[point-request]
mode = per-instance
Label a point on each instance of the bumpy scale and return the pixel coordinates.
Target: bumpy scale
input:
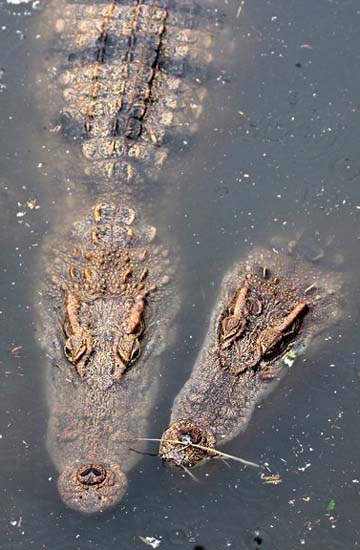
(123, 75)
(129, 76)
(268, 303)
(107, 308)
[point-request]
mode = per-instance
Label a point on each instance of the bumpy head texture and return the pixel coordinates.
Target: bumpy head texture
(108, 286)
(259, 321)
(268, 303)
(92, 487)
(106, 307)
(185, 444)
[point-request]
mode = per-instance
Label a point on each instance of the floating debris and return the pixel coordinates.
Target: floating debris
(151, 541)
(290, 358)
(32, 203)
(274, 479)
(241, 5)
(210, 450)
(15, 351)
(16, 522)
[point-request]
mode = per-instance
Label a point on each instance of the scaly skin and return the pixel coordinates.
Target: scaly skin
(125, 78)
(107, 309)
(268, 303)
(127, 74)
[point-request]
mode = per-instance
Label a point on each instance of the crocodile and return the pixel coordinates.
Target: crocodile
(128, 78)
(107, 306)
(271, 304)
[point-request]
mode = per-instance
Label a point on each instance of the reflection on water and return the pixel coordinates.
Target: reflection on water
(276, 153)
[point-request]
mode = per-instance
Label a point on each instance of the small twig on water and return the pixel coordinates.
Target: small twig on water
(224, 462)
(142, 452)
(190, 474)
(203, 448)
(238, 13)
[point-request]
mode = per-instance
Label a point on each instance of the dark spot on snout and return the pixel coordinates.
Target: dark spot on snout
(91, 474)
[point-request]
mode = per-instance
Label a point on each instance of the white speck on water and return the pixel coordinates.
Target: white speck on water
(305, 467)
(16, 522)
(151, 541)
(288, 361)
(17, 2)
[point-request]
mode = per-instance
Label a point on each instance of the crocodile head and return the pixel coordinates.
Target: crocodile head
(185, 444)
(92, 487)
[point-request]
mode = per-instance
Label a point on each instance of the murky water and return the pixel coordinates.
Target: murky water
(276, 154)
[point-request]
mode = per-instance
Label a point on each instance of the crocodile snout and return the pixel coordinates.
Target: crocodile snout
(92, 487)
(185, 444)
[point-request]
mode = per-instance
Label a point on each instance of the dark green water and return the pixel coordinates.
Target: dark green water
(277, 154)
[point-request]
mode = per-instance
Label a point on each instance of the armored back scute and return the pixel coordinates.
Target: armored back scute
(123, 78)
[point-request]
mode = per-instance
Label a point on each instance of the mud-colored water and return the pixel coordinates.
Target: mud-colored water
(277, 153)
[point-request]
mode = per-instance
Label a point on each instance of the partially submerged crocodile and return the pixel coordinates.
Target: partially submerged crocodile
(121, 73)
(130, 80)
(107, 307)
(269, 303)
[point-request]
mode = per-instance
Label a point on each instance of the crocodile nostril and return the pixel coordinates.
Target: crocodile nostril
(91, 474)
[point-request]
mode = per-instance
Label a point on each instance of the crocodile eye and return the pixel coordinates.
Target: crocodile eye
(127, 349)
(74, 349)
(135, 352)
(256, 307)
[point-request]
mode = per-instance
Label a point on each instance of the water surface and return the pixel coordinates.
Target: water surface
(277, 154)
